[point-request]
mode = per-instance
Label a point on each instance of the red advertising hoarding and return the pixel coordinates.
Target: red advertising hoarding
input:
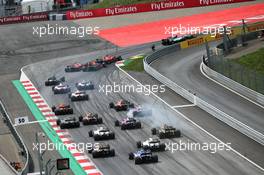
(138, 8)
(24, 18)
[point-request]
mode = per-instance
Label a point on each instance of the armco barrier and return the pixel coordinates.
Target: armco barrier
(255, 135)
(249, 93)
(19, 140)
(146, 7)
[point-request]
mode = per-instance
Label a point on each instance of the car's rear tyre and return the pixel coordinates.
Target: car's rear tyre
(117, 123)
(111, 105)
(178, 133)
(162, 147)
(112, 136)
(100, 120)
(138, 125)
(139, 145)
(96, 137)
(90, 133)
(153, 131)
(162, 135)
(77, 124)
(58, 122)
(112, 152)
(95, 154)
(131, 156)
(70, 111)
(80, 118)
(123, 127)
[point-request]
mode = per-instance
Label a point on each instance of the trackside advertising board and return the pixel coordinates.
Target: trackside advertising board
(138, 8)
(24, 18)
(235, 31)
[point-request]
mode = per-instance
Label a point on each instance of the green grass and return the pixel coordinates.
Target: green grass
(135, 65)
(253, 61)
(112, 3)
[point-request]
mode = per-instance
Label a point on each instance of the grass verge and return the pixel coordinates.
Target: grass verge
(253, 61)
(134, 64)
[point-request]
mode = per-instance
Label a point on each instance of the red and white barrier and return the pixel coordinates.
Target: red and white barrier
(147, 7)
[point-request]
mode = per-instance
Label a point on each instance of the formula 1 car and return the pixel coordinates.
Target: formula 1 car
(90, 119)
(102, 133)
(143, 156)
(121, 105)
(152, 144)
(139, 111)
(67, 123)
(92, 66)
(102, 150)
(176, 39)
(84, 85)
(79, 96)
(61, 89)
(76, 67)
(166, 132)
(108, 59)
(128, 123)
(53, 81)
(62, 109)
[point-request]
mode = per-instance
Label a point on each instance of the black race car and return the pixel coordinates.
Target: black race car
(62, 109)
(76, 67)
(152, 144)
(108, 59)
(166, 132)
(53, 81)
(93, 66)
(143, 156)
(121, 105)
(102, 133)
(102, 150)
(61, 89)
(90, 119)
(176, 39)
(79, 96)
(67, 123)
(84, 85)
(128, 123)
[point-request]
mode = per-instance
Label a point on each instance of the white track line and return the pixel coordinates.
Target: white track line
(201, 69)
(195, 124)
(183, 106)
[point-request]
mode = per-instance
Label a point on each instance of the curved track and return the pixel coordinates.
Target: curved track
(179, 162)
(186, 65)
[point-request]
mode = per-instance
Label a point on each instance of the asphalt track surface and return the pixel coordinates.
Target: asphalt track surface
(19, 47)
(183, 67)
(180, 162)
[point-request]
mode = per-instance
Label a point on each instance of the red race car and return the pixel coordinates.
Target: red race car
(92, 66)
(76, 67)
(108, 59)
